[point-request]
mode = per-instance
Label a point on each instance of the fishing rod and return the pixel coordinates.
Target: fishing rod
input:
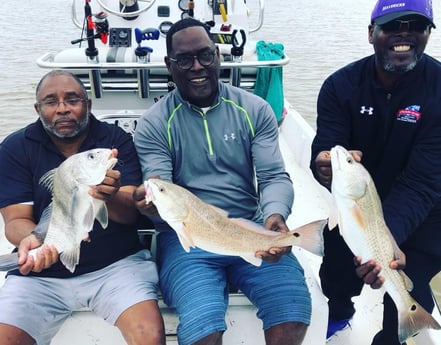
(100, 24)
(95, 29)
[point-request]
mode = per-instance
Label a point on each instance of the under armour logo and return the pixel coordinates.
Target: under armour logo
(369, 111)
(228, 137)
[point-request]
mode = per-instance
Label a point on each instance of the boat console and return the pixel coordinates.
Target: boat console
(120, 48)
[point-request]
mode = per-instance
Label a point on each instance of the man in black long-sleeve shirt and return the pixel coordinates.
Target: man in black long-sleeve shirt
(388, 106)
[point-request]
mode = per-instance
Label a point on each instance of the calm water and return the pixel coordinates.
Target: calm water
(319, 36)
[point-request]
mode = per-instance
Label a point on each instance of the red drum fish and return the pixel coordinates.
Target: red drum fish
(360, 219)
(201, 225)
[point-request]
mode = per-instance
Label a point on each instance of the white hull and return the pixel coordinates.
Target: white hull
(121, 94)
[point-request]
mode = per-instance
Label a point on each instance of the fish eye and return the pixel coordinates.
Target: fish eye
(161, 189)
(91, 156)
(349, 160)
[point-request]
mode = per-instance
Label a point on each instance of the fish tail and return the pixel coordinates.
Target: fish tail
(9, 262)
(413, 319)
(70, 258)
(310, 237)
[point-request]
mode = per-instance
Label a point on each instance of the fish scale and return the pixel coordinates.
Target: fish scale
(360, 219)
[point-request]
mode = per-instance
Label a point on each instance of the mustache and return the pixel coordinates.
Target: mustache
(65, 118)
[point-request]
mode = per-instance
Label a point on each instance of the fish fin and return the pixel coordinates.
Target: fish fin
(184, 243)
(310, 236)
(77, 213)
(70, 258)
(47, 180)
(73, 206)
(43, 224)
(413, 319)
(101, 213)
(333, 218)
(9, 262)
(88, 218)
(253, 260)
(333, 215)
(184, 235)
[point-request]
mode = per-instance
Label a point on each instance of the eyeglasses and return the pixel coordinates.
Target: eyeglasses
(70, 102)
(415, 25)
(184, 61)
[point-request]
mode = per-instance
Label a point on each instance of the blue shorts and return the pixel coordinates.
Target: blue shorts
(39, 306)
(195, 284)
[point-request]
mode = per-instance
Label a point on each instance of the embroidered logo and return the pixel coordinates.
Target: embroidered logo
(231, 136)
(409, 114)
(366, 110)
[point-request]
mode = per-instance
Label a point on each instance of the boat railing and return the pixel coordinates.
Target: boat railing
(260, 18)
(151, 76)
(47, 61)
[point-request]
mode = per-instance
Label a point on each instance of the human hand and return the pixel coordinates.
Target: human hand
(107, 189)
(324, 169)
(370, 270)
(275, 222)
(111, 184)
(41, 259)
(357, 154)
(147, 209)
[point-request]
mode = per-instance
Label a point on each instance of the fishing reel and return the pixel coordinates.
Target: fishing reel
(97, 28)
(101, 24)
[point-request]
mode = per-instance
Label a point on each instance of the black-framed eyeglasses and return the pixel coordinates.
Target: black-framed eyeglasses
(186, 61)
(70, 102)
(415, 25)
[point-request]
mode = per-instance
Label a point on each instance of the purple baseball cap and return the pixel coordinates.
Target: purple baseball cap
(388, 10)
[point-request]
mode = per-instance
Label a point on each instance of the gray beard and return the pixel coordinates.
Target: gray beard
(389, 67)
(82, 125)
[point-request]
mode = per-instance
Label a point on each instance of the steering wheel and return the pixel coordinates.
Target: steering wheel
(127, 3)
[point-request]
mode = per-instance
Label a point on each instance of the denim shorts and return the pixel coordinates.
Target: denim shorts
(197, 285)
(39, 306)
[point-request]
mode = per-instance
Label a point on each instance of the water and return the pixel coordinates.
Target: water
(319, 36)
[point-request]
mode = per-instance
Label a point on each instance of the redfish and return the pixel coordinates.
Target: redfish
(361, 223)
(201, 225)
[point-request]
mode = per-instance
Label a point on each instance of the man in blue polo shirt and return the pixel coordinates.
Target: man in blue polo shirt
(115, 277)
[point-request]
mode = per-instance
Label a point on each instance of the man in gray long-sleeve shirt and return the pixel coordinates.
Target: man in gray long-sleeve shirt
(219, 141)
